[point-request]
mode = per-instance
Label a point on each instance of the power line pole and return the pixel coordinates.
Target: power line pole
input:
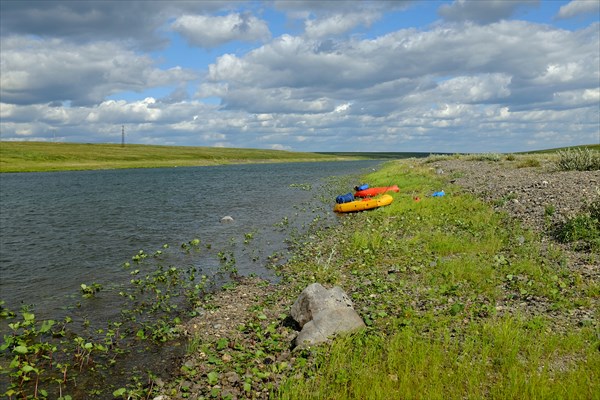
(122, 135)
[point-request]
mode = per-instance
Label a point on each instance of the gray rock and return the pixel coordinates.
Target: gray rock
(315, 298)
(322, 313)
(226, 219)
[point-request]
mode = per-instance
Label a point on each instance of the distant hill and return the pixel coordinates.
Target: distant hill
(49, 156)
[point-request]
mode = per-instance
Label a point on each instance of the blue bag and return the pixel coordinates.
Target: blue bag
(344, 198)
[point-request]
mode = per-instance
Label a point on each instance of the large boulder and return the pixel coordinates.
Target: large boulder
(321, 313)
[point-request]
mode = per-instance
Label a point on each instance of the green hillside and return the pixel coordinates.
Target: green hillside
(43, 156)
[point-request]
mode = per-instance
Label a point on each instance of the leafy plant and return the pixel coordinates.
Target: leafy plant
(578, 159)
(581, 228)
(91, 290)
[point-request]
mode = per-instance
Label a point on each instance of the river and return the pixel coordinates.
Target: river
(61, 229)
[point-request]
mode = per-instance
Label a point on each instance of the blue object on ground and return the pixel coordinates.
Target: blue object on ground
(344, 198)
(438, 194)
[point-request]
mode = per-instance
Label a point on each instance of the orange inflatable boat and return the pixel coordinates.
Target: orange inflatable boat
(370, 192)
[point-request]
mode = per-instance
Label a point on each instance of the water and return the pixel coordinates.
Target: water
(58, 230)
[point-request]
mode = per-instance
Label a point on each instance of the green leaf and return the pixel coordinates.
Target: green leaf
(27, 368)
(21, 349)
(456, 308)
(222, 343)
(213, 378)
(46, 325)
(119, 392)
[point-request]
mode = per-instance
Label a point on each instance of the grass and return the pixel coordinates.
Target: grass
(497, 359)
(579, 159)
(455, 297)
(44, 156)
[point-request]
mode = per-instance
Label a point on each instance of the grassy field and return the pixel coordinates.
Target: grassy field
(446, 290)
(44, 156)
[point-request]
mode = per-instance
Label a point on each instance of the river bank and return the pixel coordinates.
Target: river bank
(409, 269)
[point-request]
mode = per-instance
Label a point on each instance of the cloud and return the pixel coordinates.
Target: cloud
(338, 24)
(42, 71)
(323, 19)
(473, 63)
(209, 32)
(475, 89)
(578, 7)
(483, 12)
(304, 8)
(135, 23)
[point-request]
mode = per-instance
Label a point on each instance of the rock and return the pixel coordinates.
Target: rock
(322, 313)
(315, 298)
(227, 219)
(231, 377)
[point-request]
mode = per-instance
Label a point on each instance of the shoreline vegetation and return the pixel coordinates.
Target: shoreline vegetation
(461, 300)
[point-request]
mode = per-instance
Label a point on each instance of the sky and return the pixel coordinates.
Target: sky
(375, 76)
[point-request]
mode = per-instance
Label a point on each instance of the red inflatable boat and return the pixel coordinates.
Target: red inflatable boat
(375, 191)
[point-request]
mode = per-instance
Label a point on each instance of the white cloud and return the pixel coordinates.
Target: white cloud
(278, 146)
(133, 23)
(40, 71)
(208, 31)
(337, 24)
(578, 7)
(484, 12)
(477, 64)
(477, 88)
(577, 98)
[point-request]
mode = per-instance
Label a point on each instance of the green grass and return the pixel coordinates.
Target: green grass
(501, 358)
(43, 156)
(460, 302)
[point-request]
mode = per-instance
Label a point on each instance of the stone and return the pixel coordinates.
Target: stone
(227, 219)
(322, 313)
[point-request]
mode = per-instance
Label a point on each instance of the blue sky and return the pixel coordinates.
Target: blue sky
(432, 76)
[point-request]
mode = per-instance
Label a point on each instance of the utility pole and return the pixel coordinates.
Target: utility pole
(122, 135)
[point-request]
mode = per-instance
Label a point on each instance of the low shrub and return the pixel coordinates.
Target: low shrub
(528, 163)
(579, 159)
(484, 157)
(583, 228)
